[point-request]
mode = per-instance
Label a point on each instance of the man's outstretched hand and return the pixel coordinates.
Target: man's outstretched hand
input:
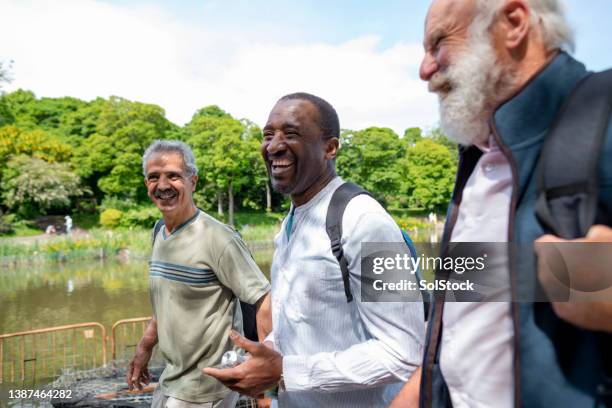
(260, 372)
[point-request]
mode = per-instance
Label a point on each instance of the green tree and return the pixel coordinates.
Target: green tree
(6, 117)
(30, 113)
(439, 137)
(227, 154)
(431, 171)
(37, 143)
(412, 136)
(32, 186)
(109, 159)
(372, 159)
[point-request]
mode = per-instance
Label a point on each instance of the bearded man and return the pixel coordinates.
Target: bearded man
(501, 74)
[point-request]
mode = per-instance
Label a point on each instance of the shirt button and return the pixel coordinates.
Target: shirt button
(489, 167)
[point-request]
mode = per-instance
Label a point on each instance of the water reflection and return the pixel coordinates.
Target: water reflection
(91, 291)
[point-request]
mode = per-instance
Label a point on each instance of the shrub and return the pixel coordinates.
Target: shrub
(143, 217)
(110, 218)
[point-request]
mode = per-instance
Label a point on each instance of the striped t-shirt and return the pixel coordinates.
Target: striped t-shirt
(196, 273)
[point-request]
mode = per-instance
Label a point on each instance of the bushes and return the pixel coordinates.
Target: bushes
(139, 217)
(110, 218)
(142, 217)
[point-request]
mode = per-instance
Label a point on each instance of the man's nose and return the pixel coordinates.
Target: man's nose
(277, 144)
(429, 66)
(163, 182)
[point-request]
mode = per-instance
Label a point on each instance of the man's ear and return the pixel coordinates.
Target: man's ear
(331, 148)
(516, 21)
(194, 182)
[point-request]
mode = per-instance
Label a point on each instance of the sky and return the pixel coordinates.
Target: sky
(360, 55)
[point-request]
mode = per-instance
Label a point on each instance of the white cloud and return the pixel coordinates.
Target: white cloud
(87, 48)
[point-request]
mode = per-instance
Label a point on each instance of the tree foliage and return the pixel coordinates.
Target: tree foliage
(371, 158)
(431, 169)
(227, 154)
(32, 186)
(48, 144)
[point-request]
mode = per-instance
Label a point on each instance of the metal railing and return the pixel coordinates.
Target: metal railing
(126, 334)
(43, 353)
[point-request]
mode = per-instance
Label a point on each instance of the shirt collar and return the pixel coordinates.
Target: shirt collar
(325, 191)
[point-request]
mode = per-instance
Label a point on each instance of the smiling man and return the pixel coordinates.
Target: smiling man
(503, 75)
(327, 352)
(199, 269)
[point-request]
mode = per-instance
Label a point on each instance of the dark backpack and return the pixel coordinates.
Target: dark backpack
(568, 200)
(333, 224)
(249, 320)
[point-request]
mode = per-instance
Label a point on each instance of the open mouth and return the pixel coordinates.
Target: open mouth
(166, 195)
(280, 166)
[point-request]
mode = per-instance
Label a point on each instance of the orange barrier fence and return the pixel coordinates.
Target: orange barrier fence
(30, 357)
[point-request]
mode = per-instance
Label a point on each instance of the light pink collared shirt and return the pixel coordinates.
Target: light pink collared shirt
(476, 355)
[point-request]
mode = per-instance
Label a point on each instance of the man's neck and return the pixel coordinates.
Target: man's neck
(174, 220)
(318, 185)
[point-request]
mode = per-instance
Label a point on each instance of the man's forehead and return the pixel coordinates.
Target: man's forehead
(166, 159)
(444, 14)
(292, 110)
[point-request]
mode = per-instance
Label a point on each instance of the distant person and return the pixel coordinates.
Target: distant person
(68, 224)
(324, 350)
(50, 230)
(199, 269)
(502, 78)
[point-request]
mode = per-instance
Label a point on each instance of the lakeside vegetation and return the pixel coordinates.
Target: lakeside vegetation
(65, 156)
(257, 229)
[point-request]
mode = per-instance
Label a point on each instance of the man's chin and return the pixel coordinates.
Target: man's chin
(166, 207)
(281, 187)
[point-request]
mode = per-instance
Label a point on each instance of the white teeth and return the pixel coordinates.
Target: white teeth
(281, 163)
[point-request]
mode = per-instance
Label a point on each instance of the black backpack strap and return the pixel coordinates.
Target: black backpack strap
(158, 225)
(568, 176)
(568, 182)
(333, 225)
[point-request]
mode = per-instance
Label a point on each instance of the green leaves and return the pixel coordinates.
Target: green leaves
(414, 171)
(431, 169)
(32, 186)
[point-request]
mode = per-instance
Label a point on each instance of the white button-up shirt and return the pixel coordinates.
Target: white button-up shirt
(338, 354)
(476, 354)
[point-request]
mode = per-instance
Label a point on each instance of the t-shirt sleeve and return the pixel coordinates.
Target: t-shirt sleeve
(238, 271)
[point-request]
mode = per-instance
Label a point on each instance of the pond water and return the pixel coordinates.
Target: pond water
(35, 297)
(55, 294)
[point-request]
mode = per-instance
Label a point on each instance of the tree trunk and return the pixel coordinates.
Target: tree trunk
(268, 197)
(220, 202)
(230, 204)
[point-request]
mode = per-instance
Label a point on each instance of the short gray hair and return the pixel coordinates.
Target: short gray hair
(549, 14)
(171, 146)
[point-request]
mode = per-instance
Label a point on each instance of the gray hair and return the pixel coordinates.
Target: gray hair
(549, 14)
(171, 146)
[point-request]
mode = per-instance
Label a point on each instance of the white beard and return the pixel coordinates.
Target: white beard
(474, 80)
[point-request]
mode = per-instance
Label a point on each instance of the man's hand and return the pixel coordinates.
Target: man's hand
(580, 271)
(408, 396)
(138, 371)
(261, 371)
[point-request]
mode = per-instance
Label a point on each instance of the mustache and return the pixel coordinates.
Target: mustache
(439, 82)
(161, 193)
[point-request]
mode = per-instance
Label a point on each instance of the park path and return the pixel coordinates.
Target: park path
(76, 233)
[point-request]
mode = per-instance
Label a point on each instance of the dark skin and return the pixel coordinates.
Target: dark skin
(293, 139)
(300, 162)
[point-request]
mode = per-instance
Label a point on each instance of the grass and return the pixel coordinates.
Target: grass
(257, 229)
